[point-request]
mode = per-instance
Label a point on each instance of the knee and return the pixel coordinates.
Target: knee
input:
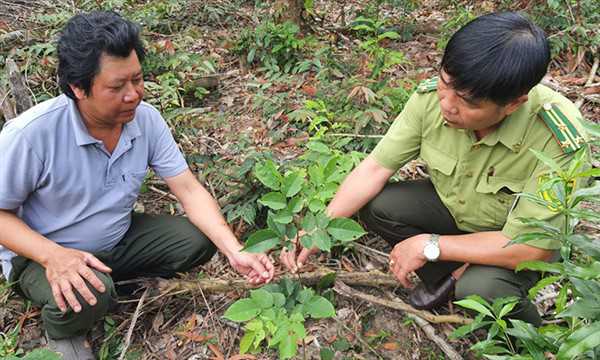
(374, 211)
(486, 282)
(193, 249)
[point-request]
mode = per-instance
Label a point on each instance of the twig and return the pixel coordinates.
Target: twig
(357, 335)
(355, 135)
(18, 88)
(369, 278)
(398, 304)
(163, 193)
(375, 251)
(431, 334)
(589, 81)
(136, 314)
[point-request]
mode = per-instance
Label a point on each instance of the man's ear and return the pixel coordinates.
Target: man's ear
(79, 92)
(514, 105)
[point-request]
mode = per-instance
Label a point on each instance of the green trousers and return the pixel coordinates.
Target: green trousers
(410, 208)
(154, 246)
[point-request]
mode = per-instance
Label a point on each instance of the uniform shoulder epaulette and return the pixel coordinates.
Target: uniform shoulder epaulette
(563, 130)
(427, 85)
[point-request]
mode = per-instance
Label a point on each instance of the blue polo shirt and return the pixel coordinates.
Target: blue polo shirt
(65, 185)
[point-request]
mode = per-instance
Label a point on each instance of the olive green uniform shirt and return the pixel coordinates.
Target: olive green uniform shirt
(478, 180)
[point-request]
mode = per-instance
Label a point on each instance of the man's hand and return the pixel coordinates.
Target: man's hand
(256, 268)
(295, 258)
(67, 269)
(407, 256)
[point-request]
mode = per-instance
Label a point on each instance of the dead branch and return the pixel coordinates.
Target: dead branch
(369, 278)
(343, 289)
(7, 39)
(589, 81)
(18, 88)
(431, 334)
(6, 106)
(136, 315)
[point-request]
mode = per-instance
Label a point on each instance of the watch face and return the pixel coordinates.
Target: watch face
(431, 252)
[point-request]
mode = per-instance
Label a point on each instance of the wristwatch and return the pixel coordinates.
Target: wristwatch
(432, 248)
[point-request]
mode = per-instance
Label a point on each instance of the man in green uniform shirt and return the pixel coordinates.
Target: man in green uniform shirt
(473, 126)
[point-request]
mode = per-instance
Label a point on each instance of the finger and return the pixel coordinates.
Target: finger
(58, 297)
(93, 261)
(264, 259)
(403, 278)
(83, 290)
(287, 258)
(89, 275)
(257, 266)
(304, 254)
(67, 291)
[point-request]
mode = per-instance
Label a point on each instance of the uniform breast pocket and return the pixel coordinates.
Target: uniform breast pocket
(496, 197)
(131, 185)
(440, 165)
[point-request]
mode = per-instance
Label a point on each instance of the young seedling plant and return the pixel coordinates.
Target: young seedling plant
(297, 199)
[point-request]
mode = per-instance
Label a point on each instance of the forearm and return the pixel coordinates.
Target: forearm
(359, 187)
(488, 248)
(204, 212)
(17, 236)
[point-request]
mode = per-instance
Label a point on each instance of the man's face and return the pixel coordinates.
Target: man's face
(462, 112)
(115, 93)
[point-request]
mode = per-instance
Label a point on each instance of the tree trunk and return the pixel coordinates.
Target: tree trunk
(291, 10)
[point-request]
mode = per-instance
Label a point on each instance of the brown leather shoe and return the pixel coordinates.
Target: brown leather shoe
(423, 298)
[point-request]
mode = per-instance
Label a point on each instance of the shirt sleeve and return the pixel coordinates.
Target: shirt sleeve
(525, 208)
(402, 141)
(165, 158)
(20, 169)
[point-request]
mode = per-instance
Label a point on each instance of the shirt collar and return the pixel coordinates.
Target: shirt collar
(512, 129)
(82, 137)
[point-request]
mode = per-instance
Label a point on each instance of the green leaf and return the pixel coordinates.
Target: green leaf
(283, 217)
(525, 238)
(292, 184)
(555, 268)
(586, 245)
(263, 298)
(589, 271)
(321, 240)
(582, 308)
(295, 205)
(288, 347)
(507, 308)
(318, 308)
(344, 229)
(278, 299)
(561, 299)
(261, 241)
(309, 223)
(326, 353)
(268, 175)
(540, 224)
(473, 304)
(548, 161)
(322, 220)
(242, 310)
(582, 340)
(274, 200)
(246, 341)
(40, 354)
(316, 205)
(542, 284)
(319, 147)
(389, 35)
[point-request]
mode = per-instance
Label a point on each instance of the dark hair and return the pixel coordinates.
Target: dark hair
(497, 57)
(83, 41)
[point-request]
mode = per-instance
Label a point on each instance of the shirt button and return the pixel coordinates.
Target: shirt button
(476, 147)
(469, 174)
(460, 221)
(461, 201)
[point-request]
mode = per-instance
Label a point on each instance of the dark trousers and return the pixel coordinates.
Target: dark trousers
(153, 246)
(410, 208)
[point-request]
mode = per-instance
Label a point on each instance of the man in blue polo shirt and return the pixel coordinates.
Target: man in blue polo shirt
(70, 171)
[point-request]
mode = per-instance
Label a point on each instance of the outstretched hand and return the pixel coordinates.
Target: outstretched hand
(256, 268)
(295, 258)
(68, 270)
